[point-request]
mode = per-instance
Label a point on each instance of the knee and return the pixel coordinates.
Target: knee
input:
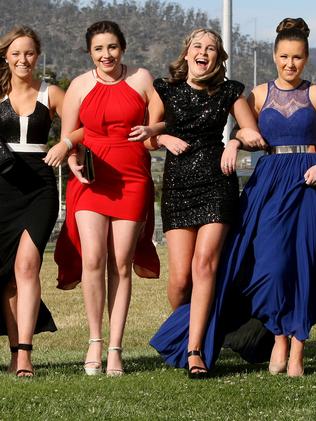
(204, 266)
(26, 269)
(93, 263)
(179, 284)
(119, 268)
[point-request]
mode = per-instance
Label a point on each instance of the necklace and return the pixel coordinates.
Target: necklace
(111, 82)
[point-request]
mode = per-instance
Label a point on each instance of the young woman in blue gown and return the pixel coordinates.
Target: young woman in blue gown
(268, 268)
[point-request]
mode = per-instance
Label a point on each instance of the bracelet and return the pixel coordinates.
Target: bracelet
(68, 143)
(157, 140)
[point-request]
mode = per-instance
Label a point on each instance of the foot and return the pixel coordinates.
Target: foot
(279, 355)
(196, 365)
(24, 364)
(295, 366)
(93, 362)
(114, 366)
(14, 359)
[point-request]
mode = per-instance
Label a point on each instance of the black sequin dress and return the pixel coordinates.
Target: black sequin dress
(195, 191)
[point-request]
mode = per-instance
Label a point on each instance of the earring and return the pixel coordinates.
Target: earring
(6, 61)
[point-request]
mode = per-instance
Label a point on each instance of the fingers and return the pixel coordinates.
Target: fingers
(139, 134)
(179, 147)
(228, 167)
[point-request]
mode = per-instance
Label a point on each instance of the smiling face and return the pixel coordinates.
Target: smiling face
(201, 55)
(21, 57)
(106, 54)
(290, 59)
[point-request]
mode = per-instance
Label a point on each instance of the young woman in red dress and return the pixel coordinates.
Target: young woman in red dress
(105, 222)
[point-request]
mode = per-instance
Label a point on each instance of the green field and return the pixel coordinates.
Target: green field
(149, 390)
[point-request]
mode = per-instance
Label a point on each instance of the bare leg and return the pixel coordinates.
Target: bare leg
(208, 247)
(27, 267)
(181, 244)
(9, 303)
(296, 365)
(279, 355)
(93, 231)
(122, 243)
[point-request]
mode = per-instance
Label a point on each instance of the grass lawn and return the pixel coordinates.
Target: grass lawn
(150, 390)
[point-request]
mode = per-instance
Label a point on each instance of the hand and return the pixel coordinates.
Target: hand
(251, 139)
(310, 176)
(140, 133)
(174, 144)
(56, 154)
(229, 157)
(76, 169)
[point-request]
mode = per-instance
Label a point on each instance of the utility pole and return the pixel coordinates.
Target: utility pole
(227, 41)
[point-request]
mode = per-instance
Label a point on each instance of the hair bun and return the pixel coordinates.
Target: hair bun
(293, 23)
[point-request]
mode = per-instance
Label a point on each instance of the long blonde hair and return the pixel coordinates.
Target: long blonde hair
(179, 68)
(5, 42)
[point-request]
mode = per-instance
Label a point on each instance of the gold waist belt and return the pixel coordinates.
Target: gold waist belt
(292, 149)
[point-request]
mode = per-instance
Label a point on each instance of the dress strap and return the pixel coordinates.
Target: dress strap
(42, 96)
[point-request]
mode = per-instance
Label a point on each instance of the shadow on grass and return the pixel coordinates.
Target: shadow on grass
(228, 364)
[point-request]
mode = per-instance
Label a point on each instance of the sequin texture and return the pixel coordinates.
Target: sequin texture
(195, 191)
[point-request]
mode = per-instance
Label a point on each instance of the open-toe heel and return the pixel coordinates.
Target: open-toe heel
(25, 372)
(114, 372)
(96, 368)
(197, 372)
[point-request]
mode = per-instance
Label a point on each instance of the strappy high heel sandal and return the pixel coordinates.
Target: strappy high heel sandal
(24, 372)
(114, 372)
(97, 368)
(197, 372)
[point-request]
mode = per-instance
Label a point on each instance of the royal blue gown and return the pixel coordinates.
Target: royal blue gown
(268, 267)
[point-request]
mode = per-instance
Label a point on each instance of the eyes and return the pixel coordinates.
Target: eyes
(208, 49)
(27, 54)
(111, 47)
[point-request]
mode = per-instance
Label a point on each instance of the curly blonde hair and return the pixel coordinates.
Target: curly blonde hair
(5, 42)
(179, 68)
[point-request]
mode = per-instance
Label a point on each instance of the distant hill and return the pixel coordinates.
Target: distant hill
(154, 31)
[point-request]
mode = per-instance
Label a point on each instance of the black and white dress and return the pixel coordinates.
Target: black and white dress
(28, 192)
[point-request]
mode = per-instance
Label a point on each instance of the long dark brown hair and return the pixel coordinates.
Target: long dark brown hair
(179, 68)
(5, 42)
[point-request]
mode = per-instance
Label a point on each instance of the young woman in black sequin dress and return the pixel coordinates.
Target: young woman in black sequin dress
(28, 193)
(200, 186)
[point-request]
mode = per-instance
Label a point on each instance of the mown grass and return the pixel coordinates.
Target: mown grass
(150, 390)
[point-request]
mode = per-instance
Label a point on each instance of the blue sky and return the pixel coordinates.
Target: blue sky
(264, 15)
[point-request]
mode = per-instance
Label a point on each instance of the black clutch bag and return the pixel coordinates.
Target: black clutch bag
(86, 159)
(6, 158)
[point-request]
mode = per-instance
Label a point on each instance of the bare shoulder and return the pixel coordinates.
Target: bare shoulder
(81, 85)
(54, 90)
(258, 96)
(312, 95)
(138, 73)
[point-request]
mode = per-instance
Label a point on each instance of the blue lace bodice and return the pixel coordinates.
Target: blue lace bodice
(288, 116)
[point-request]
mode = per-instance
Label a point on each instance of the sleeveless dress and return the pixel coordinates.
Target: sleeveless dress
(268, 268)
(195, 191)
(28, 192)
(123, 186)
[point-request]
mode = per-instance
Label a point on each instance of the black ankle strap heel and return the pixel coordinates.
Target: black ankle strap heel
(197, 372)
(25, 347)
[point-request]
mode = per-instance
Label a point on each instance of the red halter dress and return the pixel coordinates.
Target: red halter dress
(123, 186)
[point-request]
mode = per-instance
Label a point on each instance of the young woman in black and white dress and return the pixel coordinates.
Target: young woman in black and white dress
(28, 193)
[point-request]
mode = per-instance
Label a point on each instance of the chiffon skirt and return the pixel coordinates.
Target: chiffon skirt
(267, 270)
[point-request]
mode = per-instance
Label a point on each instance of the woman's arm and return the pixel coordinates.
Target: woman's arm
(70, 122)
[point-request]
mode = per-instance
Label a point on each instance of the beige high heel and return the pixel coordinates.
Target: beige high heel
(277, 368)
(114, 372)
(97, 369)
